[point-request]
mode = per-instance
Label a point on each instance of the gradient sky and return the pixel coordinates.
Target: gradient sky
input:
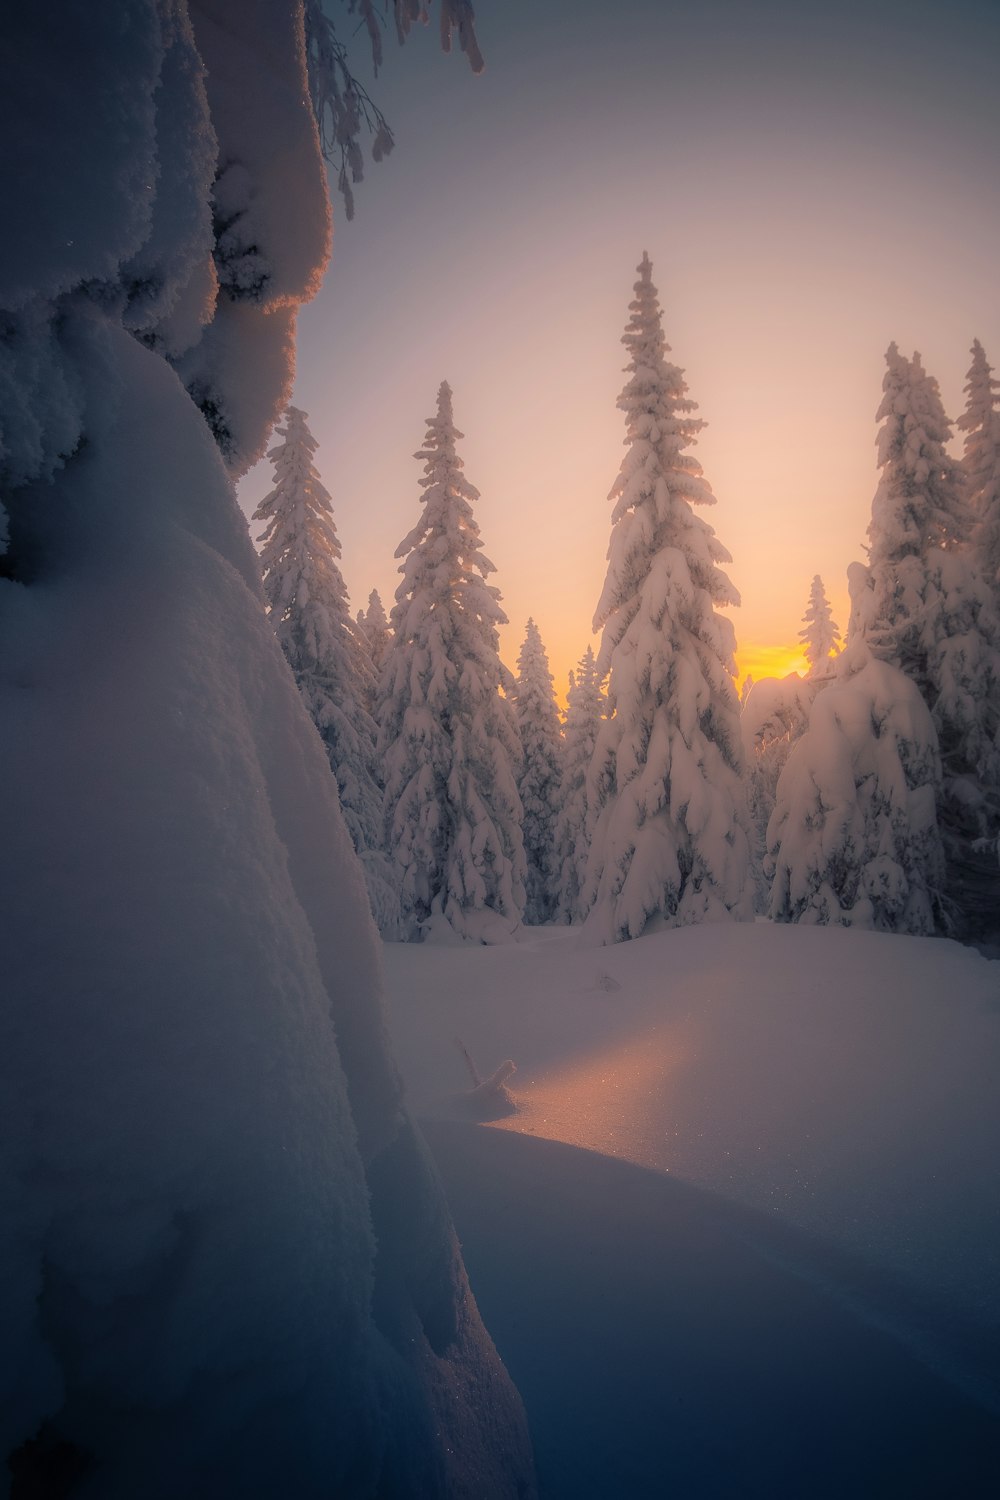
(810, 182)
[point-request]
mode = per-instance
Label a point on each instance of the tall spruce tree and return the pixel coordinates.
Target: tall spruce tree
(981, 424)
(539, 775)
(584, 712)
(919, 519)
(933, 615)
(447, 733)
(308, 604)
(670, 840)
(820, 636)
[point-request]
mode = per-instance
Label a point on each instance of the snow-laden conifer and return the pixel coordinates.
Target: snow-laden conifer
(820, 636)
(584, 712)
(670, 839)
(775, 715)
(309, 609)
(919, 518)
(447, 735)
(932, 614)
(375, 629)
(539, 778)
(981, 424)
(853, 838)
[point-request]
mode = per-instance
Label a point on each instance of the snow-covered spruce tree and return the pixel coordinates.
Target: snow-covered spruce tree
(933, 615)
(202, 1133)
(774, 716)
(670, 839)
(981, 424)
(584, 713)
(308, 604)
(819, 636)
(447, 734)
(853, 839)
(539, 777)
(376, 632)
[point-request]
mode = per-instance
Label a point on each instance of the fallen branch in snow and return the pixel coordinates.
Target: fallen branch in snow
(468, 1061)
(496, 1081)
(489, 1098)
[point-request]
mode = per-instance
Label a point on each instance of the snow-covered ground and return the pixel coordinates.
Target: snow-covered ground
(742, 1235)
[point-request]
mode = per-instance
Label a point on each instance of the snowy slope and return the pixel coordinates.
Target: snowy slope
(824, 1099)
(845, 1080)
(202, 1138)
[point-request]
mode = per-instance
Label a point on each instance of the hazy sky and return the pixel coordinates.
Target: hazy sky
(810, 182)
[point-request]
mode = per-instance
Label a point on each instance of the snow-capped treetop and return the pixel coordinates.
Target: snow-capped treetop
(540, 773)
(820, 638)
(444, 553)
(918, 510)
(534, 693)
(308, 602)
(300, 550)
(659, 479)
(918, 502)
(665, 784)
(585, 698)
(981, 424)
(447, 735)
(375, 627)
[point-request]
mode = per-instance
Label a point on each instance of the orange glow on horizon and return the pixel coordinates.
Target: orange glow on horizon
(769, 661)
(759, 660)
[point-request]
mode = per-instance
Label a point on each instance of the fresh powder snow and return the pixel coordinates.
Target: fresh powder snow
(742, 1234)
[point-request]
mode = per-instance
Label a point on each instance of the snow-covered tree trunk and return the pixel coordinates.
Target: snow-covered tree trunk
(447, 734)
(670, 839)
(308, 604)
(584, 712)
(202, 1138)
(539, 775)
(820, 637)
